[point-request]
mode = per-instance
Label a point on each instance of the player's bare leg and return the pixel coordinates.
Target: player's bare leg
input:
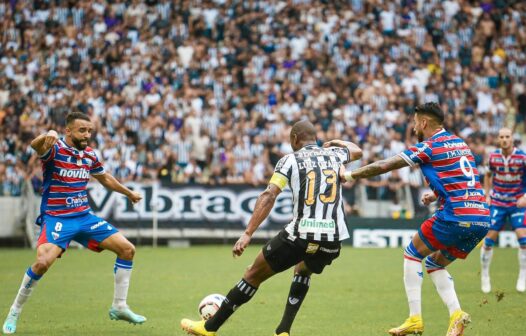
(486, 254)
(46, 256)
(240, 294)
(125, 252)
(298, 291)
(521, 280)
(414, 253)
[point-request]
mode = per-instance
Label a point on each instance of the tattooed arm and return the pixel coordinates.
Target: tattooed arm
(375, 168)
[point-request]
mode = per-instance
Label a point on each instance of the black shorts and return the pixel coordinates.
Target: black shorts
(281, 253)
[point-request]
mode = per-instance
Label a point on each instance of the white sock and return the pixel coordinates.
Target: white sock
(413, 279)
(485, 260)
(446, 289)
(29, 282)
(522, 262)
(122, 270)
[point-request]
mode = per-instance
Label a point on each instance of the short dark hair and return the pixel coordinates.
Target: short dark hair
(72, 116)
(304, 130)
(432, 110)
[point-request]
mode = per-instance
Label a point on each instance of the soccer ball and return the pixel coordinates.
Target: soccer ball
(210, 305)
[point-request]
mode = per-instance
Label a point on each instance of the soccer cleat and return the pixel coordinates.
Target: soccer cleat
(457, 323)
(282, 334)
(196, 328)
(9, 326)
(485, 284)
(125, 314)
(412, 326)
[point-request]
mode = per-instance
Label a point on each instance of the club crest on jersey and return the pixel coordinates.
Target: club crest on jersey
(76, 173)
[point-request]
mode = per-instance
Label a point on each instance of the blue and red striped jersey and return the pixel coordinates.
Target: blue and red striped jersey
(508, 177)
(66, 174)
(449, 167)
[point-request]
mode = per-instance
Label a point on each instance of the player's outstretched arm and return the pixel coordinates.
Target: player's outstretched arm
(375, 168)
(110, 182)
(354, 150)
(43, 143)
(263, 206)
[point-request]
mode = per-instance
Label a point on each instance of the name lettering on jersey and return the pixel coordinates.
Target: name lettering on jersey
(307, 165)
(73, 202)
(457, 153)
(454, 144)
(327, 164)
(474, 205)
(76, 173)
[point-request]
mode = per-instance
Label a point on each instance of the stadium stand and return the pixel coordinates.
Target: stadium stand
(205, 92)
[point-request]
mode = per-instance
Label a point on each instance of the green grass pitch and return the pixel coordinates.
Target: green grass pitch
(360, 294)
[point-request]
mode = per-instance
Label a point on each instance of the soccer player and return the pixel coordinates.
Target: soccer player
(65, 215)
(506, 178)
(310, 241)
(460, 222)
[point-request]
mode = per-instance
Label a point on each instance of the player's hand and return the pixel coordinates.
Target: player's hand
(428, 198)
(50, 139)
(332, 143)
(488, 199)
(521, 202)
(134, 197)
(241, 244)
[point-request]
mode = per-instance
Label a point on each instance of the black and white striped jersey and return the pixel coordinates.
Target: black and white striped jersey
(312, 173)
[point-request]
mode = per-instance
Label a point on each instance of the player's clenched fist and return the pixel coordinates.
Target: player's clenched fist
(521, 202)
(50, 139)
(134, 197)
(240, 245)
(428, 198)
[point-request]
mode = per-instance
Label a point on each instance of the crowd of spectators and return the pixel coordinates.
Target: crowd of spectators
(206, 91)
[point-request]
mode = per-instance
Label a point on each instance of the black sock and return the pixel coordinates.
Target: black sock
(298, 291)
(240, 294)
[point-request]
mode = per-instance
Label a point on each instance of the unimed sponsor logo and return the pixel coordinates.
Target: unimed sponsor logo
(76, 173)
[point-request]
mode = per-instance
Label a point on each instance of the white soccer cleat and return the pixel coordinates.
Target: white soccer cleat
(521, 283)
(485, 284)
(9, 326)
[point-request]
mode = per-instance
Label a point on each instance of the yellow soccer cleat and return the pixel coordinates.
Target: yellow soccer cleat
(412, 326)
(282, 334)
(196, 328)
(457, 323)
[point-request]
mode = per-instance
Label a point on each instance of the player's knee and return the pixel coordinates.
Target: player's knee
(488, 243)
(412, 253)
(432, 265)
(128, 251)
(41, 265)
